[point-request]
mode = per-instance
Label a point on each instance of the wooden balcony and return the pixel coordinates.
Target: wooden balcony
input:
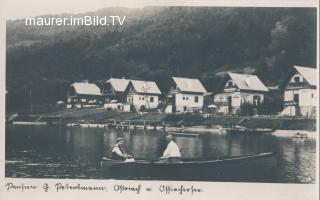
(290, 103)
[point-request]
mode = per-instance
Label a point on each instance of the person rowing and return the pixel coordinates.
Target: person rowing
(118, 152)
(172, 152)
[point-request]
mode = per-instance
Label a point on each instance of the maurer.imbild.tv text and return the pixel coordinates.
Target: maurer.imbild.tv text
(76, 21)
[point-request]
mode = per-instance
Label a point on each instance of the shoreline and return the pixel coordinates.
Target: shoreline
(94, 117)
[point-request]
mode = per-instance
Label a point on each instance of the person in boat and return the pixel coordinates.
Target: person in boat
(118, 152)
(172, 152)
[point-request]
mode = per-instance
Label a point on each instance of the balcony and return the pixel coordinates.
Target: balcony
(218, 104)
(290, 103)
(297, 85)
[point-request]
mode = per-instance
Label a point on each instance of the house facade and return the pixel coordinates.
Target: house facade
(185, 95)
(115, 89)
(142, 95)
(84, 94)
(300, 92)
(239, 89)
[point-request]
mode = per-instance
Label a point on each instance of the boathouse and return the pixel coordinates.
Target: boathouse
(114, 90)
(239, 90)
(300, 92)
(142, 95)
(185, 95)
(83, 94)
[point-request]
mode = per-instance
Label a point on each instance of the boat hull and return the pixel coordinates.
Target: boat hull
(243, 168)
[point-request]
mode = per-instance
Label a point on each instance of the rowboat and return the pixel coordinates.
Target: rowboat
(300, 135)
(192, 135)
(258, 167)
(245, 130)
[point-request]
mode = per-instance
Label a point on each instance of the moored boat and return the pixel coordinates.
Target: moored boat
(259, 167)
(245, 130)
(300, 135)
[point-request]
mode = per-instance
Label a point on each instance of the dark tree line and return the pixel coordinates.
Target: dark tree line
(157, 43)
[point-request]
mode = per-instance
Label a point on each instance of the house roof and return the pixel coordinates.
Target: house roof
(149, 87)
(86, 88)
(309, 74)
(248, 82)
(118, 84)
(189, 85)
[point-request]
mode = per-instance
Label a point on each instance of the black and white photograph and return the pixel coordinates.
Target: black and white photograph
(163, 93)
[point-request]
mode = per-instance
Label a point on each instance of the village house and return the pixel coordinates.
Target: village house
(239, 89)
(300, 92)
(114, 90)
(185, 95)
(83, 94)
(142, 95)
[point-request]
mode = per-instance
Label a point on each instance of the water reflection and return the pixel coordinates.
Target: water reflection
(64, 152)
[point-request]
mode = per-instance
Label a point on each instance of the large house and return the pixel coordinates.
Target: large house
(83, 94)
(185, 95)
(114, 89)
(142, 95)
(300, 92)
(239, 89)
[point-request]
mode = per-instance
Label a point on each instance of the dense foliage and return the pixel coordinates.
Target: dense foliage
(157, 43)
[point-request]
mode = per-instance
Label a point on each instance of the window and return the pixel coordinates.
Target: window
(183, 98)
(185, 108)
(230, 84)
(297, 79)
(187, 98)
(196, 99)
(151, 99)
(312, 95)
(142, 98)
(256, 100)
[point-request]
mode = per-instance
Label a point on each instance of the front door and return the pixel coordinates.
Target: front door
(229, 104)
(174, 107)
(296, 99)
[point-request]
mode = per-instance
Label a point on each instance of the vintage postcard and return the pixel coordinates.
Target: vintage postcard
(150, 99)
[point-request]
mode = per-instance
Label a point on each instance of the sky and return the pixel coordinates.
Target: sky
(16, 9)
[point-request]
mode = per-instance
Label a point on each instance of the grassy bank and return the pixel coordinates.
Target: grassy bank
(100, 115)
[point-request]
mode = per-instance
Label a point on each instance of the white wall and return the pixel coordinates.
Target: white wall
(188, 101)
(307, 99)
(237, 98)
(139, 99)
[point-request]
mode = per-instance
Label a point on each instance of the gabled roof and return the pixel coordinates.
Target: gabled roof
(189, 85)
(309, 74)
(147, 87)
(248, 82)
(86, 88)
(118, 84)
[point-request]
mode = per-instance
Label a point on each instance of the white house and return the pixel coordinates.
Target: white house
(185, 95)
(237, 90)
(83, 94)
(300, 92)
(142, 95)
(114, 89)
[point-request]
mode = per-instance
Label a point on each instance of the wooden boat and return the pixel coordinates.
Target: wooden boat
(259, 167)
(193, 135)
(245, 130)
(300, 135)
(175, 129)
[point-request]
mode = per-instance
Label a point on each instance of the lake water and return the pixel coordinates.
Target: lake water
(74, 152)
